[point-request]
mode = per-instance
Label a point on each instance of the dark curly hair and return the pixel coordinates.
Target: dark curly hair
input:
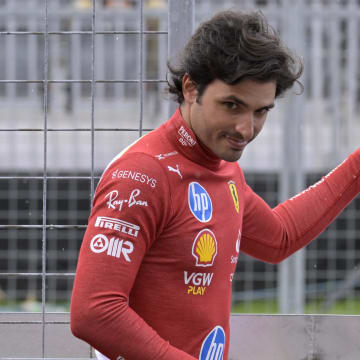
(233, 46)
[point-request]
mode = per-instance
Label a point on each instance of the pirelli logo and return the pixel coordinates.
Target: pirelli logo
(117, 225)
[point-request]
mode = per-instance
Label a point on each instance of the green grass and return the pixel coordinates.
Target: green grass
(341, 307)
(32, 306)
(257, 307)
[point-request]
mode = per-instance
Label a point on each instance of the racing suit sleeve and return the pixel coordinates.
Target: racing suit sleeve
(131, 206)
(274, 234)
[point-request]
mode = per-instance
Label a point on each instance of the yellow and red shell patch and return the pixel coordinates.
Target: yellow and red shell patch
(205, 248)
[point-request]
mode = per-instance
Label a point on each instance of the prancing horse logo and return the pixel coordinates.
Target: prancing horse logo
(234, 195)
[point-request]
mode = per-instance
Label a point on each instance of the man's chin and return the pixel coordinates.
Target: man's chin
(232, 157)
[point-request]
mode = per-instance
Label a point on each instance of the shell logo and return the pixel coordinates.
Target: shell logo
(204, 248)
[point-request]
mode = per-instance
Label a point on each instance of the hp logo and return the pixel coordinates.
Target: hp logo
(213, 346)
(199, 202)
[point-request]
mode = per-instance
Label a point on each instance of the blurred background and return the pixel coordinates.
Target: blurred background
(78, 83)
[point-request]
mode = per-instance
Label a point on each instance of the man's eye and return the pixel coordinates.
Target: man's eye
(263, 111)
(230, 105)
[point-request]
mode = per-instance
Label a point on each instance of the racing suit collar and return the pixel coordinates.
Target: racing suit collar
(186, 142)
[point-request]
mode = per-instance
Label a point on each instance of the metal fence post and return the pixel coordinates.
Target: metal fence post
(291, 289)
(181, 20)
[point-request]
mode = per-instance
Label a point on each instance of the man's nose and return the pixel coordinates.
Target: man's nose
(245, 126)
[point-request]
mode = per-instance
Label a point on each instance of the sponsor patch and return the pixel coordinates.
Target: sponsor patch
(164, 156)
(99, 243)
(100, 356)
(117, 225)
(237, 245)
(199, 202)
(197, 283)
(134, 175)
(234, 195)
(234, 259)
(185, 138)
(204, 248)
(175, 170)
(115, 247)
(213, 346)
(115, 203)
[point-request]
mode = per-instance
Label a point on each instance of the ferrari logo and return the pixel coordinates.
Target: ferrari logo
(234, 195)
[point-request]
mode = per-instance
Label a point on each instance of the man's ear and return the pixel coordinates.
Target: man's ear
(189, 89)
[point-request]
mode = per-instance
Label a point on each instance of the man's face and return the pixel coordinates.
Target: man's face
(227, 117)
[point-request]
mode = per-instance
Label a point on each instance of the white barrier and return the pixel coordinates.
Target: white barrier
(253, 337)
(294, 337)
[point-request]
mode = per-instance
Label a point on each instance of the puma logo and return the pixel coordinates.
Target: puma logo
(175, 170)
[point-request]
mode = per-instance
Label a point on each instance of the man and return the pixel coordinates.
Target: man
(173, 210)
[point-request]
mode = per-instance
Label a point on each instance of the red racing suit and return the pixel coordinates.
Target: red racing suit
(168, 221)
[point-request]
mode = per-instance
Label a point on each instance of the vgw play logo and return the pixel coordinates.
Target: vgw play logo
(213, 346)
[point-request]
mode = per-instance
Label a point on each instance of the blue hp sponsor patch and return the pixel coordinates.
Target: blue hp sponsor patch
(199, 202)
(213, 346)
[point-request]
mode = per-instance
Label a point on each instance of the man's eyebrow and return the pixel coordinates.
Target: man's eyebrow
(268, 107)
(241, 102)
(235, 99)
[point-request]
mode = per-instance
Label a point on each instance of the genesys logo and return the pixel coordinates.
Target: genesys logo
(133, 200)
(204, 248)
(213, 346)
(134, 175)
(117, 225)
(185, 138)
(115, 247)
(197, 283)
(199, 202)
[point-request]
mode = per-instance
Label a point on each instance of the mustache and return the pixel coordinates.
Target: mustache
(235, 136)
